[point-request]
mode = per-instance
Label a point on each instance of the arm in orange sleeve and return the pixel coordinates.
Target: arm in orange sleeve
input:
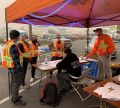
(94, 50)
(111, 47)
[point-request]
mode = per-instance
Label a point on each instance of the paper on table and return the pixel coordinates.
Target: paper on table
(102, 90)
(114, 94)
(49, 65)
(82, 60)
(109, 91)
(112, 85)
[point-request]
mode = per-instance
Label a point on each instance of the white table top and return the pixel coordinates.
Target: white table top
(50, 65)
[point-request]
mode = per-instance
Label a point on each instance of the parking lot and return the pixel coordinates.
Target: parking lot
(34, 93)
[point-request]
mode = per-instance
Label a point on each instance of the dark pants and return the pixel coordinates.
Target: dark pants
(33, 61)
(64, 81)
(16, 81)
(55, 58)
(25, 65)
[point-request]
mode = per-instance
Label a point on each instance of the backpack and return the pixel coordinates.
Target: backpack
(50, 95)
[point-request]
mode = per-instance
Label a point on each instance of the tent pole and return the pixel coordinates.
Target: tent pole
(30, 31)
(9, 79)
(87, 39)
(6, 24)
(88, 27)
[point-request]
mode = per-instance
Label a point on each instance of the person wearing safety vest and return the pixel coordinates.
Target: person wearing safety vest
(104, 47)
(25, 50)
(12, 60)
(57, 48)
(33, 60)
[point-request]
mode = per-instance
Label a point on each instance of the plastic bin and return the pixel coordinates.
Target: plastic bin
(95, 69)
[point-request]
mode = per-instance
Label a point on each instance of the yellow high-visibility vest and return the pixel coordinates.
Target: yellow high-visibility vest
(7, 57)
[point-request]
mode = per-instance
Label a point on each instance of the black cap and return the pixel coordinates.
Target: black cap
(98, 29)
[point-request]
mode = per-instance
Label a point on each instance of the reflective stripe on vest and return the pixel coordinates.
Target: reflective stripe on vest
(34, 50)
(27, 53)
(7, 57)
(57, 53)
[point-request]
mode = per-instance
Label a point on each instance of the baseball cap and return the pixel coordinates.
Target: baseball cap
(98, 29)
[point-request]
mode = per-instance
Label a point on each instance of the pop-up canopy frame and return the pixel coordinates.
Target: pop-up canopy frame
(70, 13)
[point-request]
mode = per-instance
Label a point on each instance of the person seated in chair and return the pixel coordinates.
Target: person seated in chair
(71, 64)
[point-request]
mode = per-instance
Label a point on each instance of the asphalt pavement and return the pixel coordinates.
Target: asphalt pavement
(33, 95)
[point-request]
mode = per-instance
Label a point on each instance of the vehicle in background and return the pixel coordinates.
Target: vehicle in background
(47, 39)
(68, 37)
(91, 45)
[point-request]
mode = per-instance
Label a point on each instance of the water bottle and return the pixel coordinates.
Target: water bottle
(46, 61)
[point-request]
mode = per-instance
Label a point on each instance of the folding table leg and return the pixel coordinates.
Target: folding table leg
(41, 80)
(101, 103)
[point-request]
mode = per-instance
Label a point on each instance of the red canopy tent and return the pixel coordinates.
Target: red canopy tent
(88, 13)
(70, 13)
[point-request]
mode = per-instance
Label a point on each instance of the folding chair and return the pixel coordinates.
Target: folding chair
(81, 81)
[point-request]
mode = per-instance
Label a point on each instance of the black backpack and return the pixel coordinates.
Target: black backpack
(50, 95)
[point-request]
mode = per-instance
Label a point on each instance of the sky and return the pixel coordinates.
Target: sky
(3, 5)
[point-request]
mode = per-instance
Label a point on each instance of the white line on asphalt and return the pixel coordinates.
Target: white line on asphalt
(22, 90)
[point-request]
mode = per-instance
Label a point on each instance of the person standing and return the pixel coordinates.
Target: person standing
(104, 47)
(33, 60)
(57, 48)
(12, 60)
(25, 50)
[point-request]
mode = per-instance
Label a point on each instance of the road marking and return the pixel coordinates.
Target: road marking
(22, 90)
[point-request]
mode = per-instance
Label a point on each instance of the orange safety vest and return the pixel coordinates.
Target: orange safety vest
(59, 49)
(7, 61)
(107, 40)
(27, 50)
(34, 49)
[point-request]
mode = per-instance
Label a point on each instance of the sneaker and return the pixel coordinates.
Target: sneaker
(20, 102)
(32, 80)
(19, 98)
